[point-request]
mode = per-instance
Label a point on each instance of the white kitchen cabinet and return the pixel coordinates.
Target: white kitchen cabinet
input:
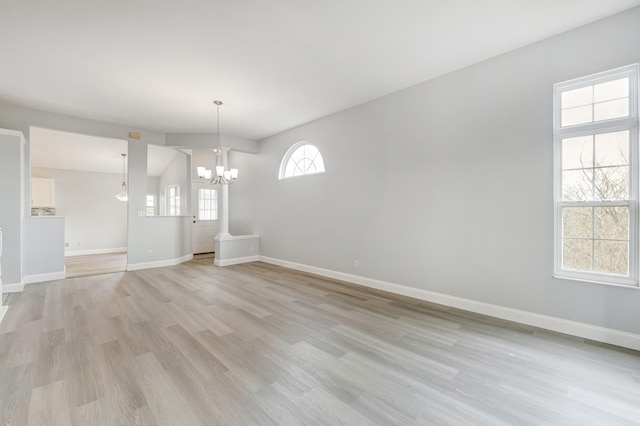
(43, 192)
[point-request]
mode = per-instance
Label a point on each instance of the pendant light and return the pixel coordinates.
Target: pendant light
(123, 195)
(225, 177)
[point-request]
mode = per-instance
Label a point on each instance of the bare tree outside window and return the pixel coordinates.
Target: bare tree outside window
(596, 238)
(596, 132)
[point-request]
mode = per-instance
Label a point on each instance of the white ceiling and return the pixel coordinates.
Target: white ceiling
(70, 151)
(158, 64)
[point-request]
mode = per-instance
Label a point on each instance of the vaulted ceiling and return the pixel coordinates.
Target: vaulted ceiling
(159, 64)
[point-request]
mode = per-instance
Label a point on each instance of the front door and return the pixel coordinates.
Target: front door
(205, 220)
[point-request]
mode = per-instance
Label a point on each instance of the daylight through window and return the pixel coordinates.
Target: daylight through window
(301, 159)
(151, 205)
(596, 177)
(173, 200)
(207, 204)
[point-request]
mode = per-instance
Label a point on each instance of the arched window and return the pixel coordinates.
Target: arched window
(301, 159)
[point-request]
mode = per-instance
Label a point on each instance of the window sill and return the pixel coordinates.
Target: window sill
(633, 286)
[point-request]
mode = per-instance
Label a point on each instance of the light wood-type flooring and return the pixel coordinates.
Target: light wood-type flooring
(257, 344)
(94, 264)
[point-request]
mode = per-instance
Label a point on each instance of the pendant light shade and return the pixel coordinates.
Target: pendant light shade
(123, 195)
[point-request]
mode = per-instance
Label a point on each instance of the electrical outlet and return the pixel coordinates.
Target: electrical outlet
(356, 264)
(149, 253)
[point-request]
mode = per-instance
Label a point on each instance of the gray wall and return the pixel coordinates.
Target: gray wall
(167, 237)
(11, 206)
(94, 218)
(167, 242)
(202, 157)
(445, 186)
(178, 172)
(44, 236)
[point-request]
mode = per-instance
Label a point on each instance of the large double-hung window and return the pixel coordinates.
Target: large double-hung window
(596, 177)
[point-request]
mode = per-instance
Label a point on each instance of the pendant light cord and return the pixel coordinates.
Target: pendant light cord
(124, 165)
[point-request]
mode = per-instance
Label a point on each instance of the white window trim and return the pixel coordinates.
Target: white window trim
(287, 156)
(628, 123)
(178, 201)
(154, 206)
(214, 211)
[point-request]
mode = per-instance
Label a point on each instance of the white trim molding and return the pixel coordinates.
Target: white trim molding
(574, 328)
(234, 249)
(158, 263)
(242, 237)
(235, 261)
(39, 278)
(12, 288)
(3, 310)
(96, 251)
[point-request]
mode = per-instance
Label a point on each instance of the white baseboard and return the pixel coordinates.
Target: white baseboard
(235, 261)
(96, 251)
(574, 328)
(38, 278)
(3, 310)
(12, 288)
(158, 263)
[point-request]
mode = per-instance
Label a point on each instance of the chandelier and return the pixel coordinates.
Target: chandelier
(225, 177)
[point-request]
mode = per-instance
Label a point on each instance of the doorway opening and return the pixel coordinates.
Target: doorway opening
(77, 176)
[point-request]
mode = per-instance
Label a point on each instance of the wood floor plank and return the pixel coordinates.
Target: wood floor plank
(49, 405)
(139, 417)
(167, 406)
(203, 361)
(122, 393)
(195, 344)
(50, 365)
(16, 386)
(25, 346)
(80, 266)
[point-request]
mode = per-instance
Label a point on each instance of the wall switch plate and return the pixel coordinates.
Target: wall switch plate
(141, 213)
(149, 253)
(356, 264)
